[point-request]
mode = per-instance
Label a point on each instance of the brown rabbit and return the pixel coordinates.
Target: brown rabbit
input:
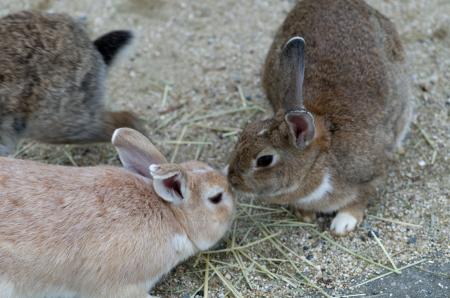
(326, 153)
(51, 81)
(105, 231)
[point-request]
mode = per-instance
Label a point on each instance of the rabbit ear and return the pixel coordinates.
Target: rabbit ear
(169, 182)
(301, 127)
(110, 44)
(292, 62)
(299, 120)
(136, 152)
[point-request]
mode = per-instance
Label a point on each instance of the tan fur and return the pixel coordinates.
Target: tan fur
(51, 83)
(98, 231)
(355, 86)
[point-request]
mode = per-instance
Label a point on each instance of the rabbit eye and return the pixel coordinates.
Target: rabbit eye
(216, 199)
(264, 161)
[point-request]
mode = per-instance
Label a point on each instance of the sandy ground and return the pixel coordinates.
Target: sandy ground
(201, 53)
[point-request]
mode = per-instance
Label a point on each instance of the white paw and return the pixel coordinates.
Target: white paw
(343, 223)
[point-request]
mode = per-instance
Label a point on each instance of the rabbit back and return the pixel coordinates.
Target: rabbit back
(66, 230)
(52, 80)
(49, 64)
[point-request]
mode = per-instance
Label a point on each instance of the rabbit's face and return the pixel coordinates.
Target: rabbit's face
(265, 163)
(198, 195)
(201, 197)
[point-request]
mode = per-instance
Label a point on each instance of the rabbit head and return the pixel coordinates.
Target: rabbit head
(198, 195)
(273, 155)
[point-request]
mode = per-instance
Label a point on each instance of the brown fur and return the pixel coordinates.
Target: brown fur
(51, 83)
(97, 231)
(356, 88)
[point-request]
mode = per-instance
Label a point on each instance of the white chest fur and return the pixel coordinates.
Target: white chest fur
(323, 190)
(6, 288)
(182, 245)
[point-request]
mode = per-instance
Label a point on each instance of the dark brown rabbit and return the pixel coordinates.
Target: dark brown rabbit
(51, 81)
(327, 152)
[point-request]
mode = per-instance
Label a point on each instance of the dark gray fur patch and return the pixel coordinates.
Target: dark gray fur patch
(86, 87)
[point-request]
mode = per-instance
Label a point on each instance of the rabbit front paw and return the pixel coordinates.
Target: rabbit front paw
(303, 215)
(343, 223)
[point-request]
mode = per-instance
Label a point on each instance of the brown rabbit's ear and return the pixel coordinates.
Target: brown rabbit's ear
(169, 182)
(110, 44)
(301, 127)
(299, 120)
(292, 63)
(136, 152)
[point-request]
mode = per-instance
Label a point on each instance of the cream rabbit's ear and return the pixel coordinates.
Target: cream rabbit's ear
(169, 182)
(136, 152)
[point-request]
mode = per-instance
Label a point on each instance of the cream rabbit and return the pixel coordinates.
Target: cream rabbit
(328, 152)
(105, 231)
(52, 81)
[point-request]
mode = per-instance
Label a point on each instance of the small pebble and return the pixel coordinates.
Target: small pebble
(440, 33)
(412, 240)
(236, 78)
(422, 163)
(375, 232)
